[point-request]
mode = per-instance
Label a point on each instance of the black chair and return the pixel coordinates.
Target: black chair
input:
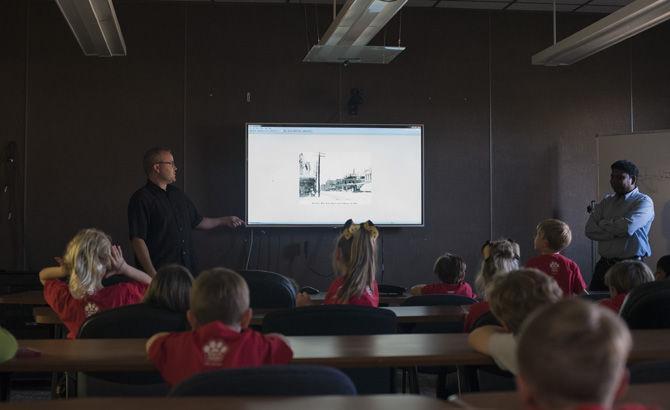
(391, 290)
(132, 321)
(340, 320)
(595, 296)
(453, 327)
(291, 380)
(650, 372)
(647, 306)
(269, 290)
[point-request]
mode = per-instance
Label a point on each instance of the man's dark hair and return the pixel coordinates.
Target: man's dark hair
(151, 157)
(627, 167)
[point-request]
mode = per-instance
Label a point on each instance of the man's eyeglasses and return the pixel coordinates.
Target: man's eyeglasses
(171, 163)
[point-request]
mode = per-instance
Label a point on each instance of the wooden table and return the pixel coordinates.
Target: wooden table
(405, 314)
(398, 350)
(31, 297)
(374, 402)
(391, 300)
(649, 394)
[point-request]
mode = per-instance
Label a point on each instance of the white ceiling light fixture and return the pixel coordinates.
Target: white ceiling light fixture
(624, 23)
(94, 25)
(355, 25)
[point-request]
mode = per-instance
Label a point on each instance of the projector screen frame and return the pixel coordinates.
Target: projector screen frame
(329, 125)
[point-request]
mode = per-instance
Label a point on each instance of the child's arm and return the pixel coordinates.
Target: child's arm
(153, 338)
(53, 272)
(119, 266)
(303, 299)
(416, 290)
(479, 338)
(280, 337)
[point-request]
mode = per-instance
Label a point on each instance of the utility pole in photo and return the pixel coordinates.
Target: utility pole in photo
(318, 173)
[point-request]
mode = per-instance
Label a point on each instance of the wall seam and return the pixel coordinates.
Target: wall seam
(24, 210)
(185, 89)
(491, 186)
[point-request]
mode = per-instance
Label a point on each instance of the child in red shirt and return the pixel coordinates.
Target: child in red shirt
(622, 278)
(450, 269)
(551, 237)
(354, 260)
(500, 257)
(90, 257)
(572, 355)
(220, 317)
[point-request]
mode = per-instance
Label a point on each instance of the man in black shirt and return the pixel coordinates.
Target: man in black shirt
(160, 216)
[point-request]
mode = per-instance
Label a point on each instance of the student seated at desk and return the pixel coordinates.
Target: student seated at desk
(500, 257)
(663, 268)
(572, 355)
(8, 345)
(551, 237)
(90, 257)
(622, 278)
(354, 263)
(170, 289)
(513, 298)
(450, 269)
(221, 338)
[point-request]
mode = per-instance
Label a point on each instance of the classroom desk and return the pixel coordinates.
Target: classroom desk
(31, 297)
(391, 300)
(649, 394)
(373, 402)
(405, 314)
(396, 350)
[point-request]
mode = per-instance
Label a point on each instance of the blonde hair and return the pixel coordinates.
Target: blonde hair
(626, 275)
(357, 252)
(219, 294)
(573, 352)
(86, 261)
(503, 258)
(515, 296)
(170, 288)
(556, 232)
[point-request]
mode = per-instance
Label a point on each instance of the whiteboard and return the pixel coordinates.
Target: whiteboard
(650, 151)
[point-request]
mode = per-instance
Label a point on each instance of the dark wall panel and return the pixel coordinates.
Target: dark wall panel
(447, 91)
(12, 127)
(90, 120)
(651, 81)
(544, 123)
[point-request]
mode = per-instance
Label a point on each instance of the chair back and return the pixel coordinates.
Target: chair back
(330, 320)
(391, 290)
(340, 320)
(436, 300)
(484, 320)
(647, 306)
(595, 296)
(290, 380)
(131, 321)
(269, 290)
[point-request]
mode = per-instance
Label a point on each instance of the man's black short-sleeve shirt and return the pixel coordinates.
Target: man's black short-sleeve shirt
(164, 219)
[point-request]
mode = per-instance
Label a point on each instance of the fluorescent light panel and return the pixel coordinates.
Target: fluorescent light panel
(95, 26)
(618, 26)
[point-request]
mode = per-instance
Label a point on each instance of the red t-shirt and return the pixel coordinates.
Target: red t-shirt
(215, 346)
(476, 310)
(624, 406)
(564, 270)
(370, 296)
(614, 303)
(462, 289)
(74, 312)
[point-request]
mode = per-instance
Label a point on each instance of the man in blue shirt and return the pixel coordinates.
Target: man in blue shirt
(620, 222)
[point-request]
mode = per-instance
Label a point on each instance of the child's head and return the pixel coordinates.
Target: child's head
(86, 260)
(572, 352)
(219, 294)
(170, 288)
(503, 257)
(625, 275)
(355, 258)
(663, 268)
(514, 296)
(552, 235)
(450, 268)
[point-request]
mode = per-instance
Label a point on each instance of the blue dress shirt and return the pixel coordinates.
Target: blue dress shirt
(620, 224)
